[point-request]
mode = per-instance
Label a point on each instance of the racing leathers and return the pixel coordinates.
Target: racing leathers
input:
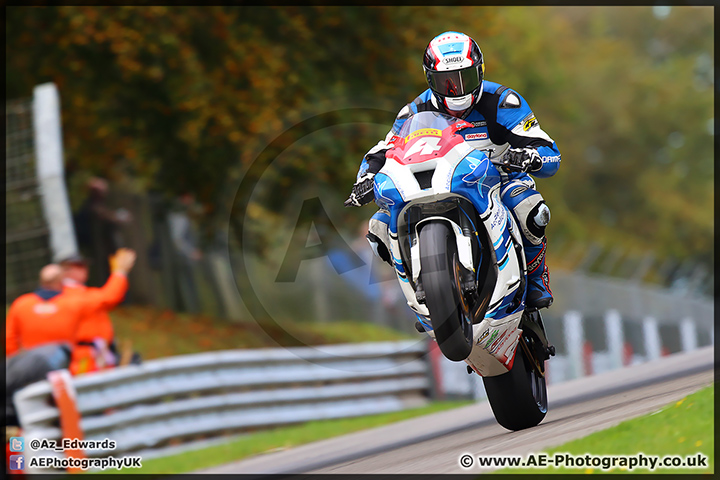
(503, 124)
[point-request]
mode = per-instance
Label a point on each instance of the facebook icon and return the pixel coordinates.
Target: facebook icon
(17, 462)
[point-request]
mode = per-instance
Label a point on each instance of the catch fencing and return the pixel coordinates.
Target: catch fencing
(192, 397)
(38, 220)
(26, 231)
(598, 323)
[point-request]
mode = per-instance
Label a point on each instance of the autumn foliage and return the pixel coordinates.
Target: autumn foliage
(184, 98)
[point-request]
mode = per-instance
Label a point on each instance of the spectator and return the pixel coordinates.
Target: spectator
(95, 336)
(40, 331)
(185, 240)
(97, 227)
(43, 316)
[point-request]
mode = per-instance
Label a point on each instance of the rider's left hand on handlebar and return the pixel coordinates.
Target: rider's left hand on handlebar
(362, 192)
(522, 160)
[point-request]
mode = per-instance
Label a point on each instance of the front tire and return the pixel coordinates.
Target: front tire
(440, 277)
(518, 398)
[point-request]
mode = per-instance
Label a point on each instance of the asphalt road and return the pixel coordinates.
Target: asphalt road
(434, 443)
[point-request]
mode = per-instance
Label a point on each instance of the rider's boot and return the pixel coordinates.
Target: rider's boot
(539, 294)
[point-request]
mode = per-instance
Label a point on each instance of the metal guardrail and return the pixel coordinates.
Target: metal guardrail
(594, 295)
(195, 396)
(601, 323)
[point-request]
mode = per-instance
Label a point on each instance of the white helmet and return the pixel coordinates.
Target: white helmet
(454, 70)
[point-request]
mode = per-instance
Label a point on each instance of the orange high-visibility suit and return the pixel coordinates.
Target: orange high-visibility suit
(95, 323)
(97, 303)
(33, 320)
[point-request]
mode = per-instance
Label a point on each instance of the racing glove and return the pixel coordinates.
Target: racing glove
(522, 160)
(362, 191)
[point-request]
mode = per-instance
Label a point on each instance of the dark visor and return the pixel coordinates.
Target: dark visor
(455, 83)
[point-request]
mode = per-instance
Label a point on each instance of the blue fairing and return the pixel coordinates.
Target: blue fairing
(472, 178)
(388, 198)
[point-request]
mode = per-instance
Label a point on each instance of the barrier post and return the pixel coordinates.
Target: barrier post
(688, 335)
(653, 343)
(573, 329)
(615, 338)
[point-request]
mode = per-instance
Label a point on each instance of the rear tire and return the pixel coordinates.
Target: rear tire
(440, 276)
(518, 398)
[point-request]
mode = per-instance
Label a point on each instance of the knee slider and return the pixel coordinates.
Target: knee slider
(538, 219)
(529, 209)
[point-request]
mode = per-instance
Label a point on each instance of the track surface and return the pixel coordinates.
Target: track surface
(434, 443)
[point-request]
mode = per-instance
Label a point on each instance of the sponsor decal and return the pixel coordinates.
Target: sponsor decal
(483, 336)
(529, 122)
(492, 337)
(495, 346)
(425, 131)
(507, 345)
(476, 136)
(481, 123)
(552, 159)
(498, 218)
(453, 59)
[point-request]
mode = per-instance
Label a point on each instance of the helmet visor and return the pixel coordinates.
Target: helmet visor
(455, 83)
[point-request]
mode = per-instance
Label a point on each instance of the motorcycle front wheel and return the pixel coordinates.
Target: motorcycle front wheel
(440, 277)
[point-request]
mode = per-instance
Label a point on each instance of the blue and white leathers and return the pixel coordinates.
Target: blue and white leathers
(501, 119)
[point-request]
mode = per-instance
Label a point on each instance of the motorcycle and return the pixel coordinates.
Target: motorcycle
(459, 259)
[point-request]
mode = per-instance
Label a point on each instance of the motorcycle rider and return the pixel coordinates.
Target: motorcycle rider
(504, 128)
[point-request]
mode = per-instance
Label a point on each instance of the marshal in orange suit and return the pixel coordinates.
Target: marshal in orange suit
(43, 316)
(95, 333)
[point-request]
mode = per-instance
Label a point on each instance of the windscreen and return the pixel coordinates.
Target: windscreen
(426, 120)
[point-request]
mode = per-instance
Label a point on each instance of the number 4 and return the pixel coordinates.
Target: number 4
(424, 146)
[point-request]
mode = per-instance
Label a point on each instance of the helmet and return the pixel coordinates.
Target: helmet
(454, 70)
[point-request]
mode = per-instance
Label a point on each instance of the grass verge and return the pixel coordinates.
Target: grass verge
(683, 428)
(278, 439)
(156, 333)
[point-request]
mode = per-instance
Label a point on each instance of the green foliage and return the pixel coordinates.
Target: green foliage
(185, 98)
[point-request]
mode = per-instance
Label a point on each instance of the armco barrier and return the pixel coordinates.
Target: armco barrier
(198, 396)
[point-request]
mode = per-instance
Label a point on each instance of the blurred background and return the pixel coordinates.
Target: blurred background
(220, 142)
(165, 109)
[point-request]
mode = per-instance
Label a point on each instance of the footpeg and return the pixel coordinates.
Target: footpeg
(550, 351)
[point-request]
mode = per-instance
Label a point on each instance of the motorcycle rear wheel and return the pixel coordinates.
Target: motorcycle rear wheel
(440, 276)
(518, 398)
